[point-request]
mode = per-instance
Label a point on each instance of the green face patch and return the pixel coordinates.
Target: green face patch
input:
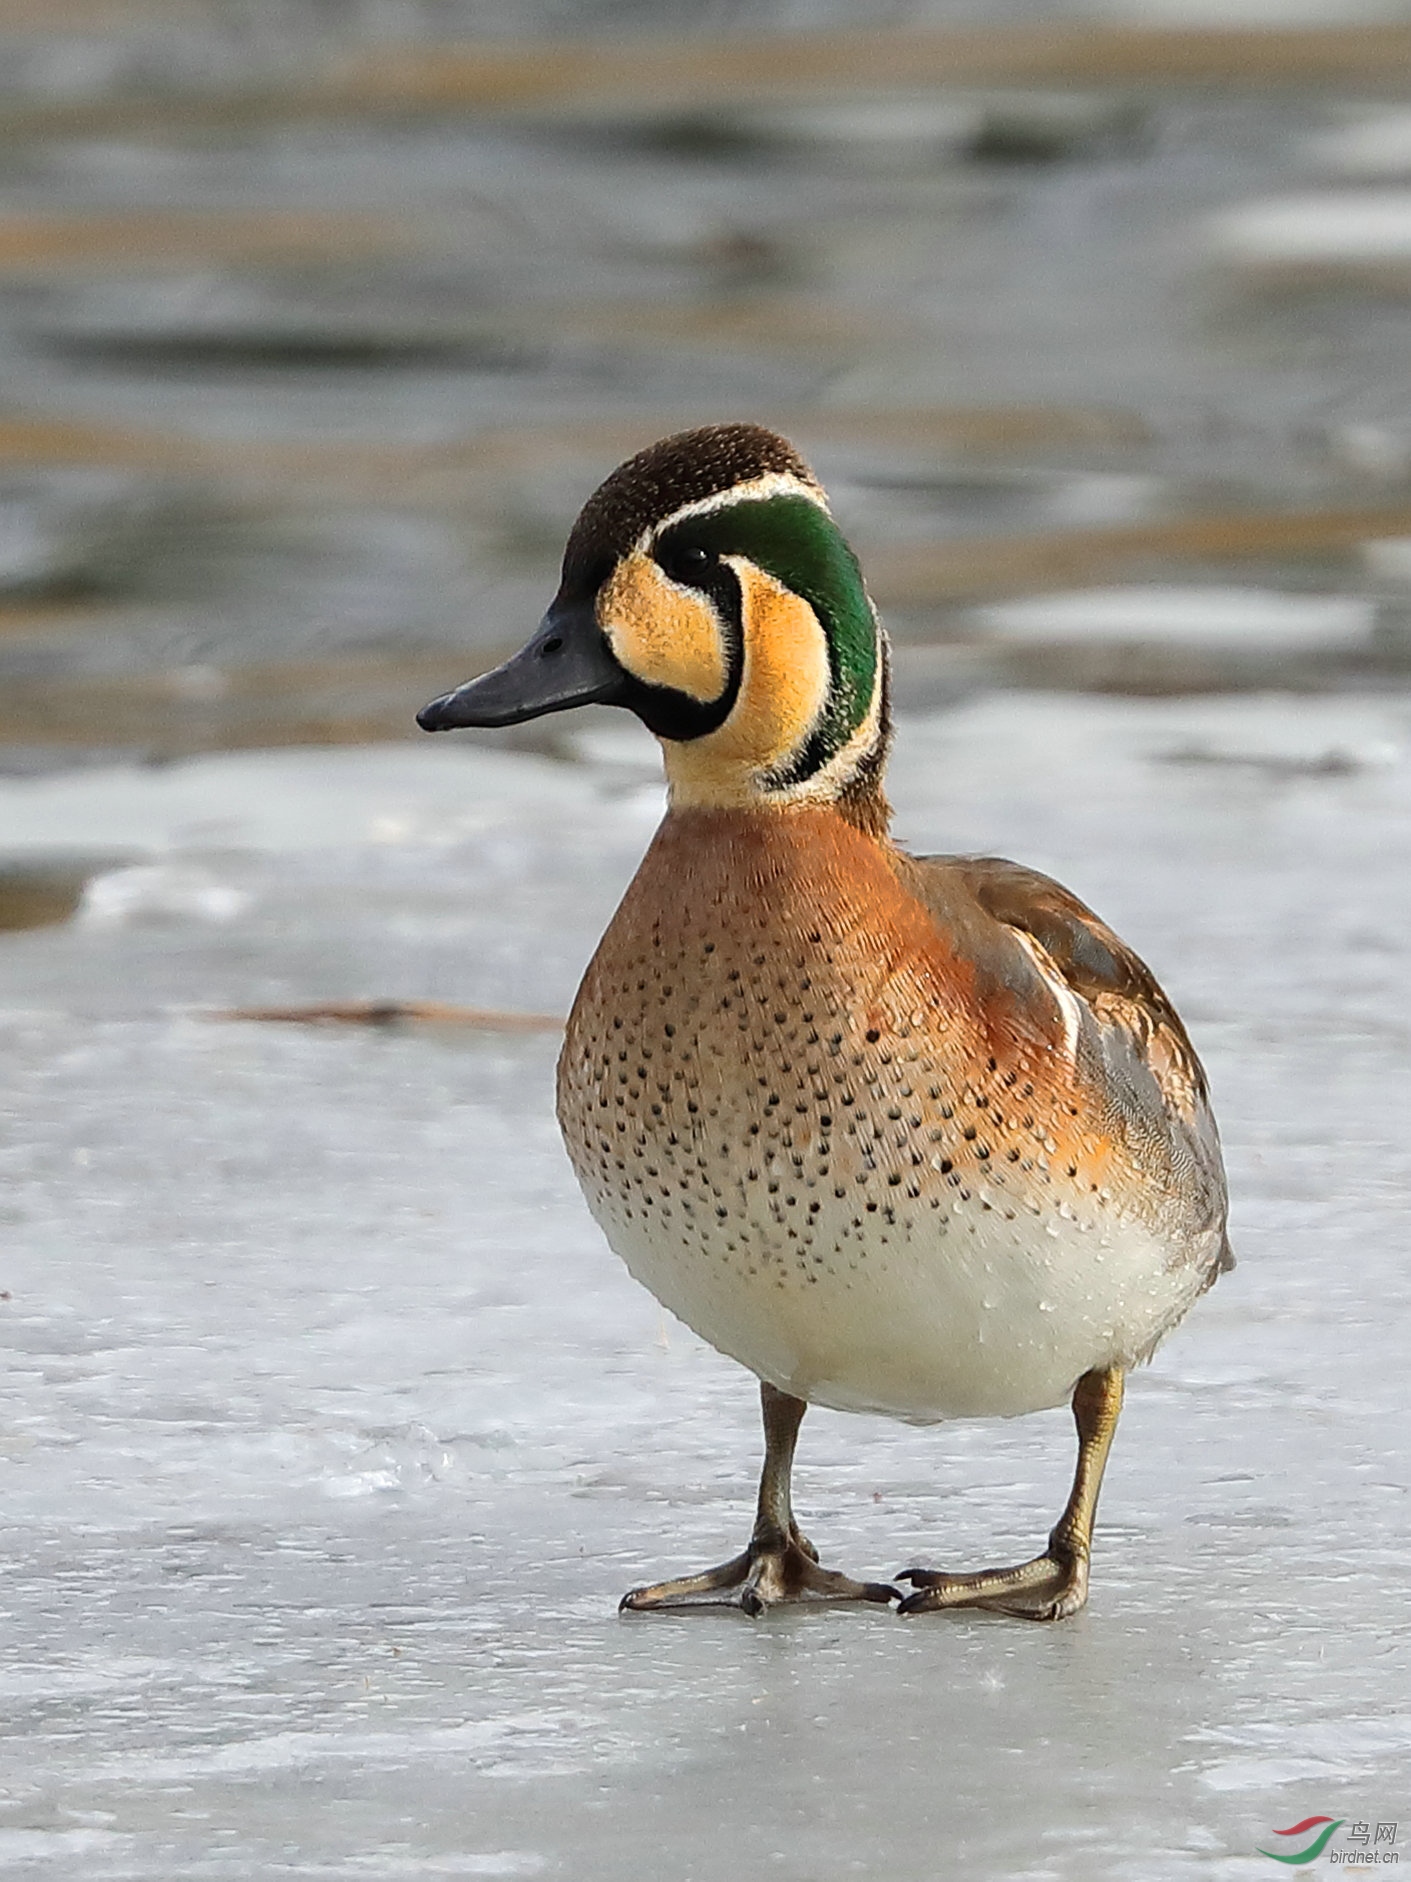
(799, 544)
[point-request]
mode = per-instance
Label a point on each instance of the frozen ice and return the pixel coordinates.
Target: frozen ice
(1241, 618)
(1340, 230)
(1372, 145)
(1388, 559)
(331, 1431)
(159, 892)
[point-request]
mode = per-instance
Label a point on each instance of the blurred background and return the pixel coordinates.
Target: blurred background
(318, 322)
(329, 1430)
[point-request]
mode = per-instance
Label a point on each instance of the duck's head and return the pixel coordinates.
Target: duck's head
(707, 588)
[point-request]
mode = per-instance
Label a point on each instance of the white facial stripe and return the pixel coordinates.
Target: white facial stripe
(756, 490)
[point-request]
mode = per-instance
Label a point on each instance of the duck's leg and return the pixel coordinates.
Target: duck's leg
(1054, 1584)
(780, 1564)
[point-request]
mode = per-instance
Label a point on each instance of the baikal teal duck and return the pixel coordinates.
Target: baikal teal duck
(908, 1135)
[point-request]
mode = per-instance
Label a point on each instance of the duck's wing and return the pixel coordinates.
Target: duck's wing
(1136, 1029)
(1117, 985)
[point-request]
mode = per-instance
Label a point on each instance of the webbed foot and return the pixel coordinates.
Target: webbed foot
(772, 1570)
(1050, 1588)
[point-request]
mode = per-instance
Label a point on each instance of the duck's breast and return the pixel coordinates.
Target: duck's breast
(843, 1143)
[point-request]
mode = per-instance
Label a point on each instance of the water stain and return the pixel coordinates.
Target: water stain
(131, 241)
(177, 711)
(912, 574)
(495, 450)
(793, 64)
(615, 75)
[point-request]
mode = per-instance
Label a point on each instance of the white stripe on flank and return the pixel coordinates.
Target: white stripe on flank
(1070, 1008)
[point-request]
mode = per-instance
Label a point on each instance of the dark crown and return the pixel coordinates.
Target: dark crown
(685, 468)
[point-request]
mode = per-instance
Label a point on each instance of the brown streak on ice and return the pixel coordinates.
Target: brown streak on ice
(394, 1013)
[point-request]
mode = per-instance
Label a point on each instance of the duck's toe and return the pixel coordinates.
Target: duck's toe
(1049, 1588)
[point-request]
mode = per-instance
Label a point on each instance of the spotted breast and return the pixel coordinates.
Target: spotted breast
(863, 1142)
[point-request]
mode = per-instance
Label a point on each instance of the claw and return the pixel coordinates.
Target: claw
(910, 1604)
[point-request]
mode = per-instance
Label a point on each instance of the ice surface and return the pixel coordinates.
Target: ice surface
(1345, 230)
(331, 1431)
(1235, 617)
(1371, 145)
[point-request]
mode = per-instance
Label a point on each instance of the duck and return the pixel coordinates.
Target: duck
(907, 1135)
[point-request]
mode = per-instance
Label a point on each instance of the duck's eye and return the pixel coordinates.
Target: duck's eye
(685, 561)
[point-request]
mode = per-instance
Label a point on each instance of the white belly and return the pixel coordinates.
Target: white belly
(954, 1312)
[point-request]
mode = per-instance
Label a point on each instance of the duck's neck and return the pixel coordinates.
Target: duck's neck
(859, 801)
(728, 772)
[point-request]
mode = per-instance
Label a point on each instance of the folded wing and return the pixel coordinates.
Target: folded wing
(1131, 1039)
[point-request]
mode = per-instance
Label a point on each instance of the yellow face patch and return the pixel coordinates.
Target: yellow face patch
(663, 635)
(783, 690)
